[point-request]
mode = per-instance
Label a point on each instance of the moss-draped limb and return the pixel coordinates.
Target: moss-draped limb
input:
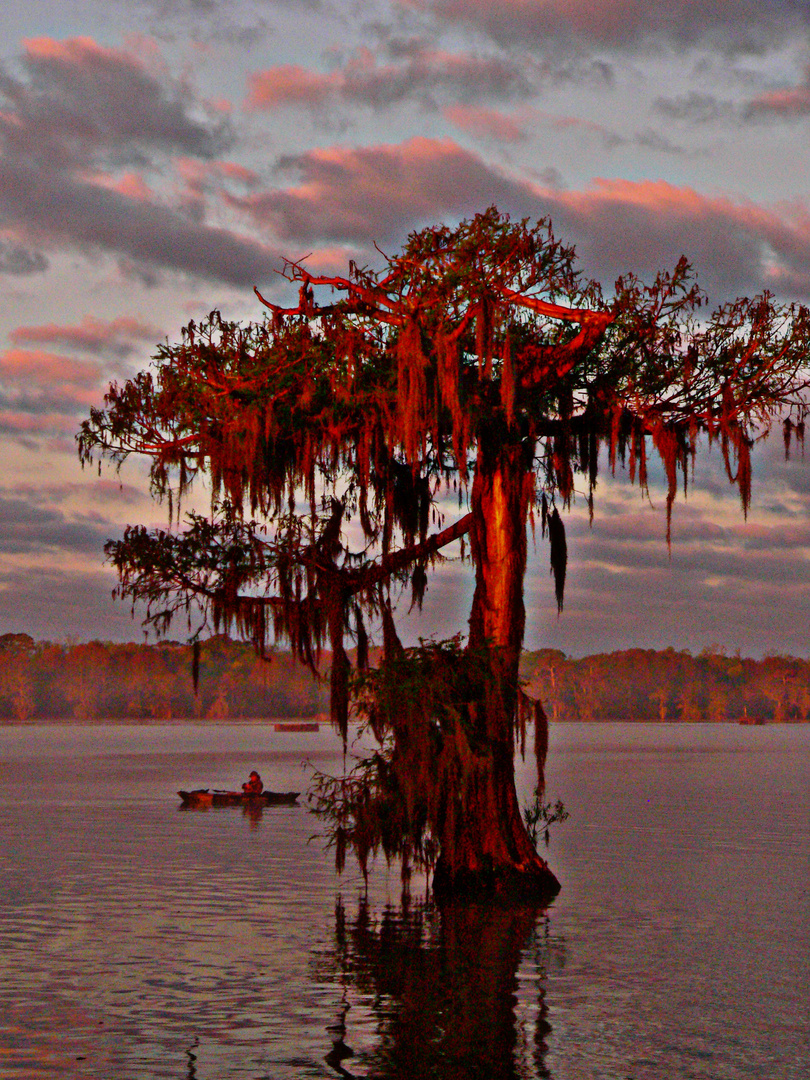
(477, 367)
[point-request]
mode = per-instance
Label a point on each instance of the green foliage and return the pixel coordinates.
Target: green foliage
(539, 816)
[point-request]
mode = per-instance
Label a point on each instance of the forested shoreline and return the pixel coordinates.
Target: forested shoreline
(95, 680)
(649, 685)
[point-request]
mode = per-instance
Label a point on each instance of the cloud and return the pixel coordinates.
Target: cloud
(91, 489)
(118, 337)
(735, 26)
(695, 107)
(20, 261)
(381, 193)
(418, 74)
(26, 528)
(80, 96)
(52, 602)
(788, 103)
(28, 368)
(42, 393)
(80, 112)
(725, 579)
(486, 123)
(62, 208)
(792, 103)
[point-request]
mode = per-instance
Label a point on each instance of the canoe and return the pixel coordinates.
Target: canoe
(204, 797)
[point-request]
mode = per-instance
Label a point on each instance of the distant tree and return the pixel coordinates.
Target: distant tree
(660, 698)
(17, 643)
(16, 683)
(352, 438)
(86, 673)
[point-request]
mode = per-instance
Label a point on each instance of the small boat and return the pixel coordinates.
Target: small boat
(204, 797)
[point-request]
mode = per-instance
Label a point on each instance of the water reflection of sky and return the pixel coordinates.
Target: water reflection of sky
(144, 942)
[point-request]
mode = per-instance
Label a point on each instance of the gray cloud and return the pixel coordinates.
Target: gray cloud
(52, 604)
(81, 98)
(27, 528)
(734, 26)
(82, 104)
(65, 208)
(666, 606)
(417, 73)
(20, 261)
(695, 107)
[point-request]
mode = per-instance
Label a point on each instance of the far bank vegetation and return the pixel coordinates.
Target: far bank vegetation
(642, 684)
(105, 680)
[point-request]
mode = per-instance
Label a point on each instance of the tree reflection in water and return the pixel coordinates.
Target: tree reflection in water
(439, 989)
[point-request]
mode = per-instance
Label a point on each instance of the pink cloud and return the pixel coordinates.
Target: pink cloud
(44, 393)
(488, 123)
(130, 185)
(232, 171)
(200, 176)
(290, 84)
(26, 368)
(93, 335)
(27, 423)
(359, 195)
(789, 103)
(418, 74)
(72, 51)
(362, 194)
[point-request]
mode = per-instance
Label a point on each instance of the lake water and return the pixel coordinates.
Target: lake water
(138, 941)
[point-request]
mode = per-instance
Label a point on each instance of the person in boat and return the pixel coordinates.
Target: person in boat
(254, 785)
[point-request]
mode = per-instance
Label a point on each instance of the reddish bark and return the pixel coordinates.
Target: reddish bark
(489, 845)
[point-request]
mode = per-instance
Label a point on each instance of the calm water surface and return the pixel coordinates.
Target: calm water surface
(141, 942)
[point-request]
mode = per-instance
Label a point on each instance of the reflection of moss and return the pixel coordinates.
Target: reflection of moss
(442, 987)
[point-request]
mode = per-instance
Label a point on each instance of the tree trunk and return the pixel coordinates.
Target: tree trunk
(487, 845)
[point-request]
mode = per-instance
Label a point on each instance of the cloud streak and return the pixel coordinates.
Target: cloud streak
(419, 75)
(117, 337)
(735, 26)
(791, 103)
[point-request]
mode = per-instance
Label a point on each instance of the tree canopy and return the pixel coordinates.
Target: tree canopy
(452, 395)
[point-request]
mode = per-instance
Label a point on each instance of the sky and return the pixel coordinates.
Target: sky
(159, 159)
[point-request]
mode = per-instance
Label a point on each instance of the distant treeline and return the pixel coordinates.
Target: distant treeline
(641, 684)
(42, 680)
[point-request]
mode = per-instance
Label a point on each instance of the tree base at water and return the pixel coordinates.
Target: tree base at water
(535, 882)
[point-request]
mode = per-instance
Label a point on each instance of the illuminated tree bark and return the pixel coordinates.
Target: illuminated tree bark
(490, 842)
